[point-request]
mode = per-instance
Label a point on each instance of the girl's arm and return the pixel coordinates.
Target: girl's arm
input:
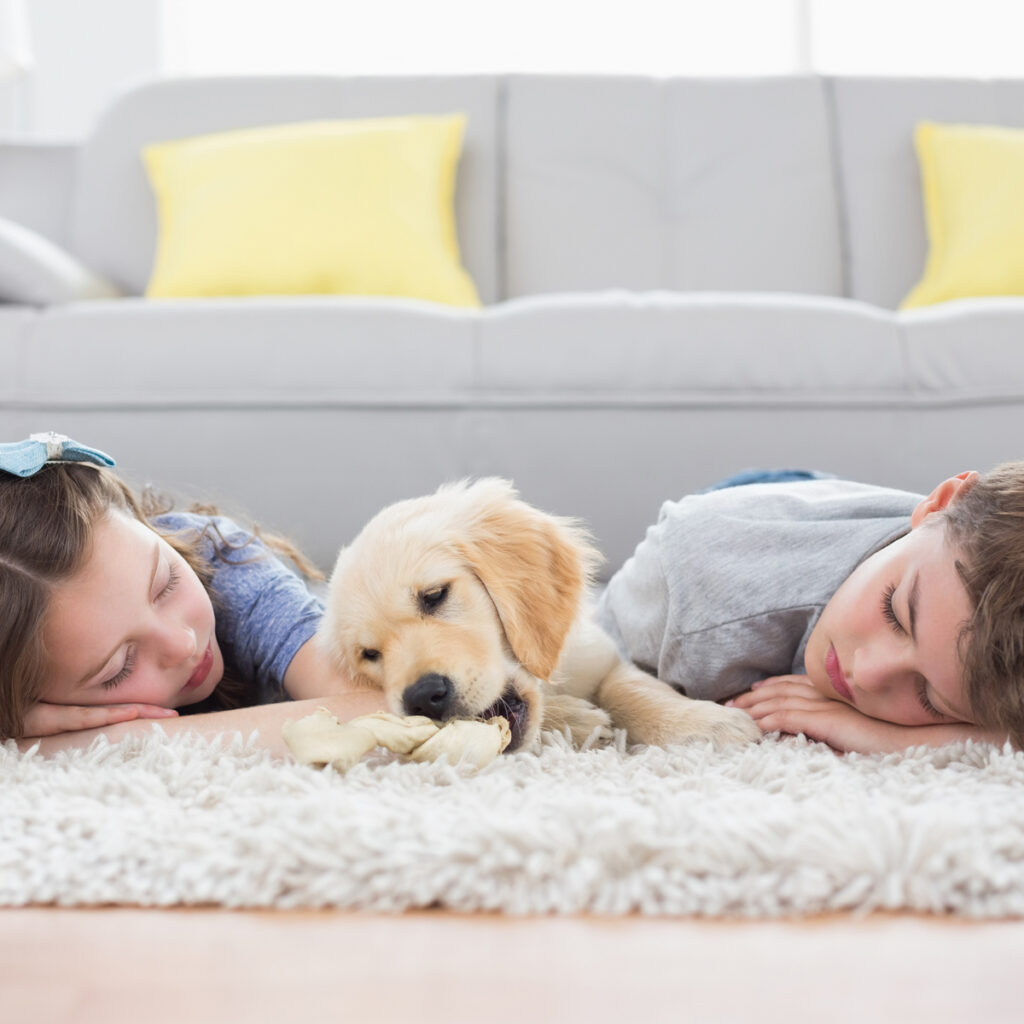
(266, 719)
(311, 674)
(44, 719)
(790, 704)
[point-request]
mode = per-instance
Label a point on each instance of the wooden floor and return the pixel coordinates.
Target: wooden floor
(197, 966)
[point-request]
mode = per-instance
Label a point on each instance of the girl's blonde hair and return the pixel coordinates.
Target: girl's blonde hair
(46, 528)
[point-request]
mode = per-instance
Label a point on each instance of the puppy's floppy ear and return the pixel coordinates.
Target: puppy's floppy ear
(328, 637)
(535, 566)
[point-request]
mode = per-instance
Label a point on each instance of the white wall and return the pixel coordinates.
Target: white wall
(88, 50)
(656, 37)
(85, 52)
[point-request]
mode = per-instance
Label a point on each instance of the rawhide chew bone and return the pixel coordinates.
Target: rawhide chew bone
(466, 739)
(320, 739)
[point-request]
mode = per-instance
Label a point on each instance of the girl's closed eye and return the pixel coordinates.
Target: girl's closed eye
(126, 671)
(173, 579)
(889, 612)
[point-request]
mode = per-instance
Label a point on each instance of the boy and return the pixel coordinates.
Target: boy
(868, 618)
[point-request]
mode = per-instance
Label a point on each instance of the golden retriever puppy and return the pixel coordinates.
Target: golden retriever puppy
(471, 603)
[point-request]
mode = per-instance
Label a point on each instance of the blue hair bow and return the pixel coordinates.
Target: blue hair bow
(26, 458)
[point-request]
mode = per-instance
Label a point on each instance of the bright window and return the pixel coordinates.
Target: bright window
(660, 37)
(971, 38)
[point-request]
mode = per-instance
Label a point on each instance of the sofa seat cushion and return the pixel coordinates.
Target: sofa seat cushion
(257, 352)
(614, 349)
(16, 323)
(969, 350)
(636, 348)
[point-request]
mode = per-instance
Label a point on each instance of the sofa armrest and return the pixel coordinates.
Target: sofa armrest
(37, 272)
(37, 183)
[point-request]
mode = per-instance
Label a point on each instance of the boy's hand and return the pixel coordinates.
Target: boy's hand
(51, 719)
(792, 705)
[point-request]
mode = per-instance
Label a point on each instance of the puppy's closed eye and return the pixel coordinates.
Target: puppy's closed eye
(431, 600)
(369, 654)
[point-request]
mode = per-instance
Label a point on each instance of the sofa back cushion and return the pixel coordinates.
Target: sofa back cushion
(114, 226)
(689, 184)
(581, 183)
(886, 241)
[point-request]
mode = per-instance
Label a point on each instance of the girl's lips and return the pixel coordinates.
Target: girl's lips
(202, 670)
(835, 675)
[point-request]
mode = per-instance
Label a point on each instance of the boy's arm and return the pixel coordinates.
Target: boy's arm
(790, 704)
(266, 719)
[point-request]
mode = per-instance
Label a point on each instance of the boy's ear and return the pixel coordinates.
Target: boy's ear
(947, 492)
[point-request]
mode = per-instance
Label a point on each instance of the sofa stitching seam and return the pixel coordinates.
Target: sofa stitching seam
(501, 188)
(838, 185)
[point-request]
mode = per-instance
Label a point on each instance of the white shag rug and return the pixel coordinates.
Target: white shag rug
(785, 827)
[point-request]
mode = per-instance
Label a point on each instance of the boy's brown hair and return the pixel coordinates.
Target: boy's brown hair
(985, 524)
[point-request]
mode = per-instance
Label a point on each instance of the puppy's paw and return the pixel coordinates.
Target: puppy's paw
(730, 727)
(695, 720)
(579, 716)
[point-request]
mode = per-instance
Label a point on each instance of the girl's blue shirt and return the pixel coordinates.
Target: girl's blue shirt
(264, 610)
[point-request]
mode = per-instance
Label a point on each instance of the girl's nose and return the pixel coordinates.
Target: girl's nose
(179, 645)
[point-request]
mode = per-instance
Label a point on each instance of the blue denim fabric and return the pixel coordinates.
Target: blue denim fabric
(767, 476)
(26, 458)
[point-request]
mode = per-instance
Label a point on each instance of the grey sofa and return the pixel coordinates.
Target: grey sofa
(681, 278)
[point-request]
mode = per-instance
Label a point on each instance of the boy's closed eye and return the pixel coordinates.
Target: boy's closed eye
(890, 614)
(927, 705)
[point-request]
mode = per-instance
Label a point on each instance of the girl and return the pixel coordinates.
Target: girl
(114, 610)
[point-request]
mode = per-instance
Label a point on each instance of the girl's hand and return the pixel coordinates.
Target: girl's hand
(51, 719)
(791, 704)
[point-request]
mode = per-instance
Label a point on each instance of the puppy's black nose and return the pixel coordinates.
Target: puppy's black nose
(431, 695)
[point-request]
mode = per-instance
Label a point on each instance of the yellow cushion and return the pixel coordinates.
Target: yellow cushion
(330, 207)
(973, 182)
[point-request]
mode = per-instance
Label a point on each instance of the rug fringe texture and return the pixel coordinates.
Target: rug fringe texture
(783, 828)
